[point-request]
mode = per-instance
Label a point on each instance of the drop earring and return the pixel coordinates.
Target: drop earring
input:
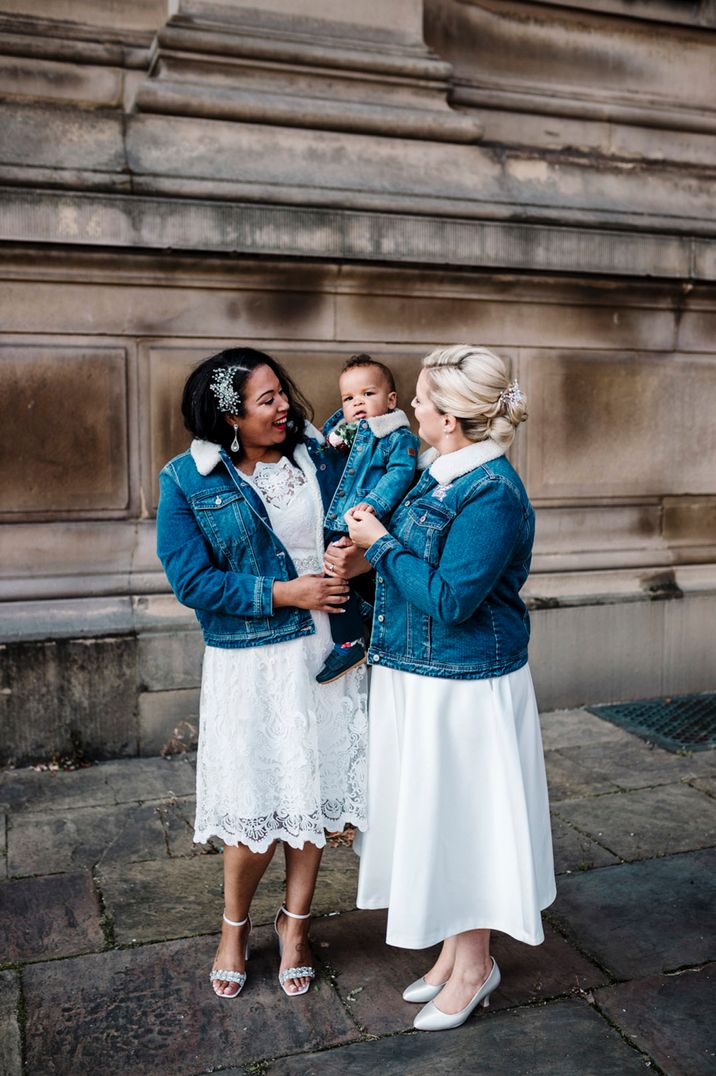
(235, 446)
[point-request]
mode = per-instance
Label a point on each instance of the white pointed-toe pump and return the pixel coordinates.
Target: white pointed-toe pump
(421, 991)
(431, 1018)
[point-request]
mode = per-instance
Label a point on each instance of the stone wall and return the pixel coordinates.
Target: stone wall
(316, 180)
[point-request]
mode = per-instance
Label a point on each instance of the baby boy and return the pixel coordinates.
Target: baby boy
(381, 457)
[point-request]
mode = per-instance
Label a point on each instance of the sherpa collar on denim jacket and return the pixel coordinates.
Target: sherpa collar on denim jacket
(452, 465)
(207, 455)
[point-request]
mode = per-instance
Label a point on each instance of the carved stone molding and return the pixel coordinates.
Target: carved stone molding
(145, 223)
(270, 65)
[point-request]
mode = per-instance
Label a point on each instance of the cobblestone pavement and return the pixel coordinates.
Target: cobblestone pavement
(110, 917)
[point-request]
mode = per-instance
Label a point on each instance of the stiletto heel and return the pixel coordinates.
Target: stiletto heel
(292, 973)
(431, 1018)
(224, 974)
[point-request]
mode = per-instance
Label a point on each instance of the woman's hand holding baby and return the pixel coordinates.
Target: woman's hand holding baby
(363, 526)
(311, 592)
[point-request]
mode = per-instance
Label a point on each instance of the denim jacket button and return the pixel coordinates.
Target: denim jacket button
(323, 467)
(380, 579)
(218, 500)
(381, 618)
(375, 657)
(407, 503)
(351, 470)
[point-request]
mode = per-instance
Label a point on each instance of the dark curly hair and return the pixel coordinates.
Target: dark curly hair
(200, 407)
(364, 359)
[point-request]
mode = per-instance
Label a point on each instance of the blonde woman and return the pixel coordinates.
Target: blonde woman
(459, 840)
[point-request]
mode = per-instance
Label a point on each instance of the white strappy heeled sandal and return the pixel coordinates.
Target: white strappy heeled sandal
(292, 973)
(223, 974)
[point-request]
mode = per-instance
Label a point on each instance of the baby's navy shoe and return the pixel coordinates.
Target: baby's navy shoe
(340, 661)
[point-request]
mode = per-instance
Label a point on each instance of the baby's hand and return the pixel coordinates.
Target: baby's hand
(363, 507)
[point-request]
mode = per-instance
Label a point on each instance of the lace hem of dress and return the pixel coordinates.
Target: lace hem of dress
(298, 835)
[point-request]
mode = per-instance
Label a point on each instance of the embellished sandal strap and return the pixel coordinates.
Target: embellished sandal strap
(296, 973)
(228, 976)
(234, 923)
(294, 915)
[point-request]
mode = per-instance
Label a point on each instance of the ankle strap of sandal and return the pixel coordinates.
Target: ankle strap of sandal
(294, 915)
(233, 923)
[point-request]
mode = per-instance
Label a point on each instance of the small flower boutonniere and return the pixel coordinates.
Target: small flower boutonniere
(343, 436)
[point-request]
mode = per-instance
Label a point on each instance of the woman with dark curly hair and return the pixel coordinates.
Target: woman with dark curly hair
(240, 534)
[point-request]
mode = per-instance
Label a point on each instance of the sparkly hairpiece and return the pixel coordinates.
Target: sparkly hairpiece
(222, 385)
(512, 394)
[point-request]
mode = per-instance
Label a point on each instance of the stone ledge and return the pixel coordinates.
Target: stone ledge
(140, 222)
(248, 106)
(91, 617)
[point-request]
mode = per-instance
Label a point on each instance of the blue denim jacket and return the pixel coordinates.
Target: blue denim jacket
(379, 469)
(449, 573)
(219, 550)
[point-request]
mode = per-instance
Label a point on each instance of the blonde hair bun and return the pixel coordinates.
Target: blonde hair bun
(473, 384)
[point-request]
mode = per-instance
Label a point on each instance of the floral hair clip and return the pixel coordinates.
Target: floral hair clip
(222, 385)
(512, 394)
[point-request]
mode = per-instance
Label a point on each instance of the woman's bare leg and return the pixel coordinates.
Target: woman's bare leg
(243, 870)
(471, 967)
(301, 871)
(442, 968)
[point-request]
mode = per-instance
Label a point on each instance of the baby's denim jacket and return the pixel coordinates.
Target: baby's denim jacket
(379, 470)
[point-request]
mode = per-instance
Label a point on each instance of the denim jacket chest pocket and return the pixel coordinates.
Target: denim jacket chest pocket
(424, 528)
(230, 525)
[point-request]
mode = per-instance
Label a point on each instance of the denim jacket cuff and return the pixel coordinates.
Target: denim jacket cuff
(381, 507)
(383, 545)
(263, 596)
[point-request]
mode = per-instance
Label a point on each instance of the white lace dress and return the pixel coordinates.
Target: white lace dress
(280, 756)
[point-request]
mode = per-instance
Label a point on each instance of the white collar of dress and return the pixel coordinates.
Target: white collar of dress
(452, 465)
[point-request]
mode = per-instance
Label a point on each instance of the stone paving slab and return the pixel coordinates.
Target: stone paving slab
(567, 779)
(575, 728)
(53, 842)
(705, 784)
(177, 818)
(120, 781)
(638, 919)
(637, 764)
(152, 1010)
(670, 1017)
(573, 851)
(175, 898)
(564, 1038)
(647, 822)
(143, 779)
(49, 917)
(163, 899)
(10, 1056)
(371, 976)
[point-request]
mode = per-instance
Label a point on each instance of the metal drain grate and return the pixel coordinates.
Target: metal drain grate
(678, 723)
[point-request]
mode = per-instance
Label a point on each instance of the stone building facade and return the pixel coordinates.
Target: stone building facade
(318, 178)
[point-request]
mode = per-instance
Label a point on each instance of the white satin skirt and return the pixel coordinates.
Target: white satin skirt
(458, 831)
